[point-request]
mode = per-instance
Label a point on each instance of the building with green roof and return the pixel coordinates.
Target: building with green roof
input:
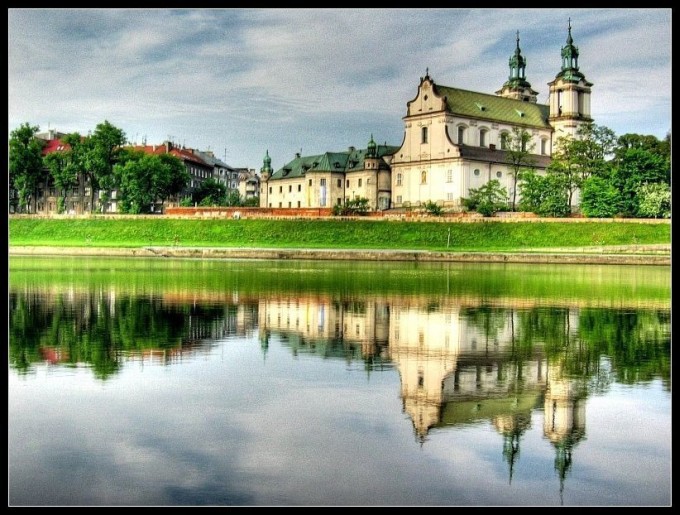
(455, 140)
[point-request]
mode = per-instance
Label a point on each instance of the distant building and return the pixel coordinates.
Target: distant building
(330, 179)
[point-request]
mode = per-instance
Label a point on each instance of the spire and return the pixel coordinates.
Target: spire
(371, 148)
(267, 163)
(518, 68)
(569, 69)
(517, 86)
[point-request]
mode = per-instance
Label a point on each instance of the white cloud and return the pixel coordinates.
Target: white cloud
(256, 79)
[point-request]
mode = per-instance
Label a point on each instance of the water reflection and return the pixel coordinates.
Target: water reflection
(497, 357)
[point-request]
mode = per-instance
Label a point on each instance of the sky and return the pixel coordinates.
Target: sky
(241, 82)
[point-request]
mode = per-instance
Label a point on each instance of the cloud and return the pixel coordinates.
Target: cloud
(280, 79)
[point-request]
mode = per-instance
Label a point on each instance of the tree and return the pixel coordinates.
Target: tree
(487, 199)
(210, 193)
(143, 179)
(518, 155)
(103, 147)
(577, 158)
(178, 177)
(634, 168)
(25, 164)
(599, 198)
(654, 200)
(544, 195)
(66, 166)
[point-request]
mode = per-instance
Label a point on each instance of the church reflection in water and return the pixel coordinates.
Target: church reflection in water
(461, 360)
(464, 363)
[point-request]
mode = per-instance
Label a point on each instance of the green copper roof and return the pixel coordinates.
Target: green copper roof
(482, 106)
(342, 162)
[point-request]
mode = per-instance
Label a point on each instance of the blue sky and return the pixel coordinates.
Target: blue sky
(241, 82)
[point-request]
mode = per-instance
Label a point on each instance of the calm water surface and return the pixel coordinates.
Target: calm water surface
(186, 382)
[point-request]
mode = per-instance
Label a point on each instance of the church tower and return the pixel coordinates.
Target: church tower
(517, 86)
(569, 94)
(265, 174)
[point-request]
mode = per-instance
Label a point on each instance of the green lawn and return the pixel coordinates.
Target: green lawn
(342, 234)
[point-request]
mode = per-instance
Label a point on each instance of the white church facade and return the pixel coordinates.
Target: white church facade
(454, 140)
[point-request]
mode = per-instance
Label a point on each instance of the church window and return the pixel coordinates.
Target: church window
(482, 137)
(280, 189)
(423, 135)
(339, 183)
(359, 183)
(299, 187)
(347, 185)
(476, 172)
(461, 134)
(310, 182)
(504, 141)
(544, 146)
(449, 175)
(398, 179)
(270, 189)
(290, 188)
(423, 177)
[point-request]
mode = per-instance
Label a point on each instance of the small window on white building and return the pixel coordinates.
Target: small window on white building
(398, 179)
(449, 175)
(423, 135)
(482, 137)
(499, 174)
(504, 140)
(544, 146)
(461, 134)
(476, 172)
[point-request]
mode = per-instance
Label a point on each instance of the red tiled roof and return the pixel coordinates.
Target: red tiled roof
(54, 145)
(182, 153)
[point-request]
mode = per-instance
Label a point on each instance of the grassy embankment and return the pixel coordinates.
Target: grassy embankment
(488, 236)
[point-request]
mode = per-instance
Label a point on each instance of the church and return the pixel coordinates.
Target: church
(454, 140)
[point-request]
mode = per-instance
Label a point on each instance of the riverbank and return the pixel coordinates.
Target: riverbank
(659, 254)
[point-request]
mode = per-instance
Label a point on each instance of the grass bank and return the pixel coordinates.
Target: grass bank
(487, 236)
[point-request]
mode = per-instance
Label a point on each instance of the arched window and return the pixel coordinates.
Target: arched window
(482, 137)
(461, 134)
(423, 135)
(544, 146)
(504, 140)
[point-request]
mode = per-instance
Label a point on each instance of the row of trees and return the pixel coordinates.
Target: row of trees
(629, 176)
(102, 161)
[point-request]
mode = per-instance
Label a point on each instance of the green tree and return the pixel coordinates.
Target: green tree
(599, 198)
(103, 147)
(544, 195)
(432, 208)
(577, 158)
(233, 198)
(26, 170)
(487, 199)
(143, 179)
(654, 200)
(210, 193)
(519, 156)
(178, 177)
(634, 168)
(67, 166)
